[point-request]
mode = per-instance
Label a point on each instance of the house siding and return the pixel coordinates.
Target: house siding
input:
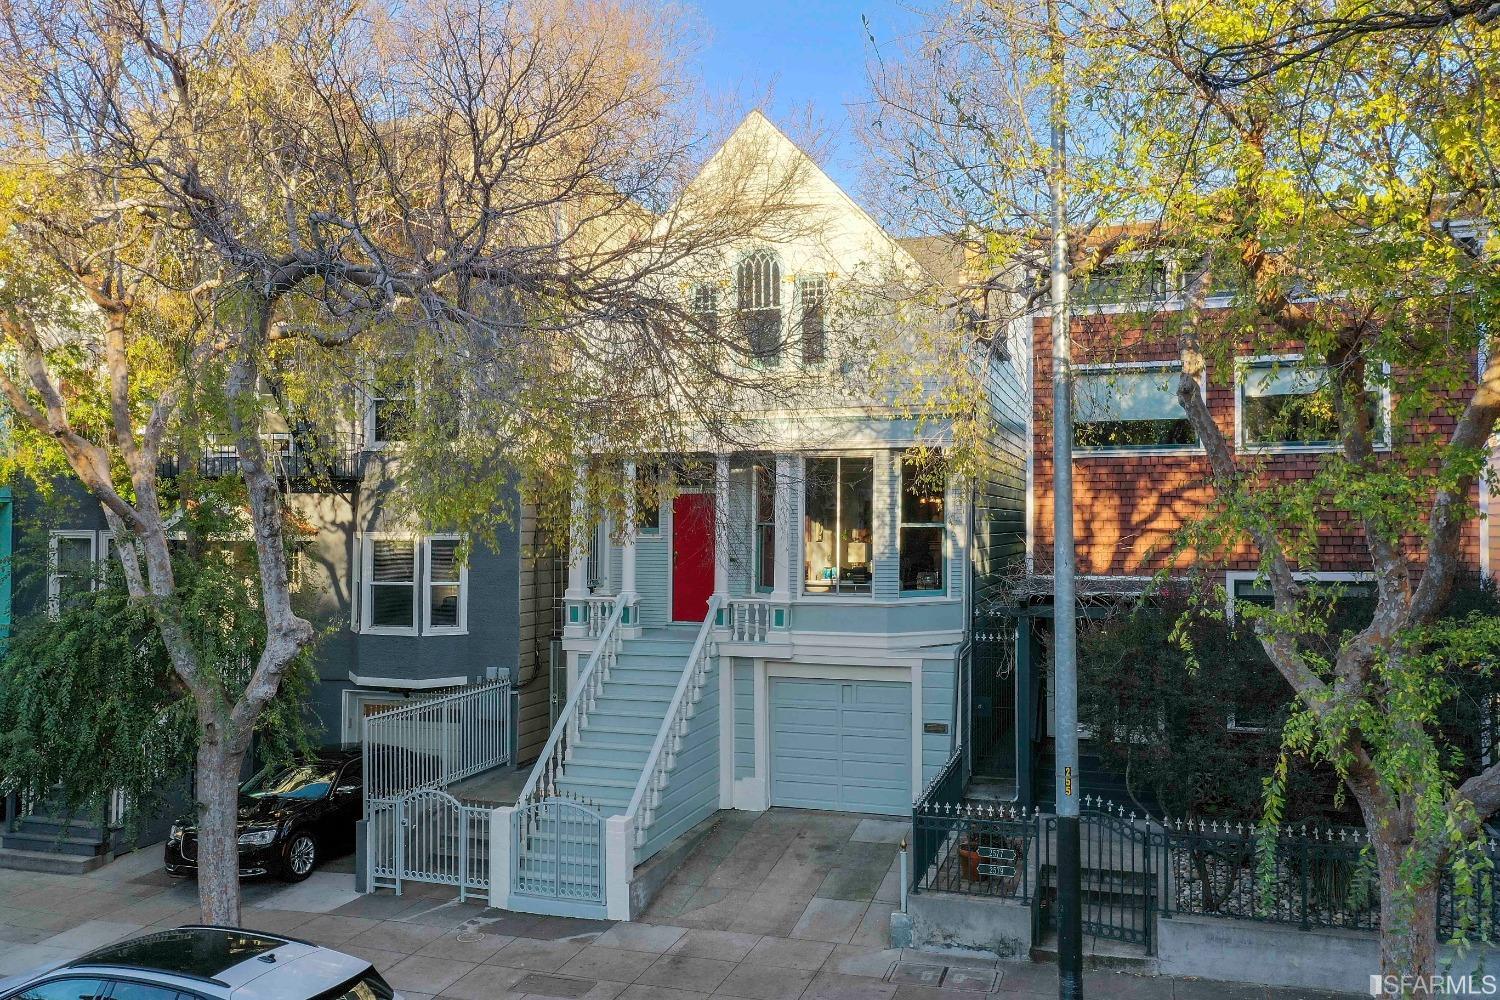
(692, 792)
(744, 717)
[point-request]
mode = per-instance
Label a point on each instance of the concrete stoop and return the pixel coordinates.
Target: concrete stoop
(1099, 953)
(51, 863)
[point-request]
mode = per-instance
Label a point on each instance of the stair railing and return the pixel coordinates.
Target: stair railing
(663, 756)
(575, 714)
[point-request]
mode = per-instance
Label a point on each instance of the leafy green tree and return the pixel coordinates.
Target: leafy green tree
(224, 220)
(1346, 207)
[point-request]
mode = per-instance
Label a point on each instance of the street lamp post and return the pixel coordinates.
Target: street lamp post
(1065, 663)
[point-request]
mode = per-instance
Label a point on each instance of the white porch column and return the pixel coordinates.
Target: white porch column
(721, 523)
(627, 549)
(578, 537)
(781, 574)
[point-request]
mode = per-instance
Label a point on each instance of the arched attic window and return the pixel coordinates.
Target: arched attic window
(758, 284)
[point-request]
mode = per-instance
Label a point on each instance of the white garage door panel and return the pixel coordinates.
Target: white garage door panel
(841, 745)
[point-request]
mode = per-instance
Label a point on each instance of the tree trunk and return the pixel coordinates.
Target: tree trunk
(1408, 916)
(218, 781)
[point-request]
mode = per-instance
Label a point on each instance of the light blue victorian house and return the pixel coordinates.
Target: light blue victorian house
(786, 628)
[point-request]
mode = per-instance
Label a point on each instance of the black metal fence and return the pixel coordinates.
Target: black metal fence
(975, 849)
(1308, 876)
(302, 460)
(1135, 866)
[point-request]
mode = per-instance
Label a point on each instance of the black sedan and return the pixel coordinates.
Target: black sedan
(289, 818)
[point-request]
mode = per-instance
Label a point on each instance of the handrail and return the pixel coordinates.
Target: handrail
(551, 760)
(653, 772)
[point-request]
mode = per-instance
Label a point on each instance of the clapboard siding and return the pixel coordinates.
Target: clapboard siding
(744, 717)
(651, 555)
(937, 707)
(736, 536)
(1000, 493)
(692, 792)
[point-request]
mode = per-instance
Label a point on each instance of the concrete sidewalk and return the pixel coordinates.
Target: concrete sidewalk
(429, 945)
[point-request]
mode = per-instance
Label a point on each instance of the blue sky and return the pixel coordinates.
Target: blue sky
(812, 52)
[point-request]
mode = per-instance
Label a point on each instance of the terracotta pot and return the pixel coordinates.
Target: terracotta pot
(968, 863)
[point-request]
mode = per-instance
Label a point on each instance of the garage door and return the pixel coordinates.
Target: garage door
(841, 745)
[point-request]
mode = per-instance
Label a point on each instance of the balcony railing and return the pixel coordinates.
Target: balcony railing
(303, 461)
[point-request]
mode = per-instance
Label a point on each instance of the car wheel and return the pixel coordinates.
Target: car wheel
(301, 857)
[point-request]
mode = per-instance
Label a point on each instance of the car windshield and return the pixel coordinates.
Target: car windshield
(300, 781)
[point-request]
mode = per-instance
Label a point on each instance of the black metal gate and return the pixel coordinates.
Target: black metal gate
(993, 701)
(1118, 880)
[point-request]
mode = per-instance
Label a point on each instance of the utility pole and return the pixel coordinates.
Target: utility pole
(1064, 604)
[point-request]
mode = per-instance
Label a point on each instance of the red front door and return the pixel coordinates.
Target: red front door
(692, 555)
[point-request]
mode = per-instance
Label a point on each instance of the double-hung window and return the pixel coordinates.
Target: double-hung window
(1129, 408)
(389, 420)
(1284, 405)
(73, 568)
(704, 305)
(764, 486)
(413, 586)
(838, 530)
(813, 296)
(923, 533)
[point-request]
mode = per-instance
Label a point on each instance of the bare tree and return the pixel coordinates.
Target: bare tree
(489, 205)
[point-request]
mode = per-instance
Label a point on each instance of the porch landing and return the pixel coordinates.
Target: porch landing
(498, 787)
(812, 876)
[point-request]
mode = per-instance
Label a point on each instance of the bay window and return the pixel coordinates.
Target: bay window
(764, 526)
(1129, 408)
(839, 502)
(922, 532)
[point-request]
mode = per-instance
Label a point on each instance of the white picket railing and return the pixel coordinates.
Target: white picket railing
(749, 619)
(554, 758)
(663, 756)
(437, 741)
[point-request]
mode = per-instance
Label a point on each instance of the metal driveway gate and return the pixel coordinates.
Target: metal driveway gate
(559, 855)
(429, 836)
(1119, 891)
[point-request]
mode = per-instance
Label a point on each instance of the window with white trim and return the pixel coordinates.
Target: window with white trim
(412, 586)
(838, 529)
(1126, 279)
(72, 568)
(923, 533)
(763, 485)
(443, 609)
(1256, 708)
(758, 290)
(1129, 408)
(389, 418)
(1282, 404)
(812, 294)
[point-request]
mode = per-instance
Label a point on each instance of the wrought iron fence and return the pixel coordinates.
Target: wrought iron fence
(1308, 876)
(977, 849)
(302, 458)
(1305, 876)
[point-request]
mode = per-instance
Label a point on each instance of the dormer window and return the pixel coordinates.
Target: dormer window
(758, 286)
